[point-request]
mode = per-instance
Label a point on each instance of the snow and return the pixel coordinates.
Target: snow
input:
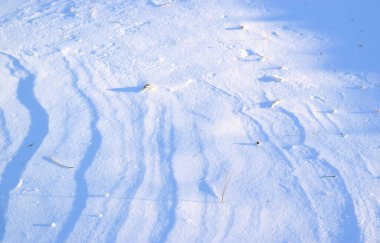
(189, 121)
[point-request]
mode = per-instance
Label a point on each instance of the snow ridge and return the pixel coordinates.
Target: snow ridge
(81, 191)
(239, 91)
(5, 132)
(167, 199)
(38, 129)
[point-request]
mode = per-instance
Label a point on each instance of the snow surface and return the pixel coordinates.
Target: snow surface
(261, 121)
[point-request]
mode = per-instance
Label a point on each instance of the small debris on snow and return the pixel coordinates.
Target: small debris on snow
(147, 87)
(343, 135)
(57, 162)
(328, 176)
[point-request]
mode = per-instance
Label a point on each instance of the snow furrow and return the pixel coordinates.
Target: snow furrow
(38, 129)
(348, 230)
(81, 190)
(168, 198)
(293, 185)
(128, 149)
(189, 121)
(205, 183)
(283, 146)
(135, 179)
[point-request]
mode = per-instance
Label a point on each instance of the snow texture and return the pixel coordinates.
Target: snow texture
(189, 121)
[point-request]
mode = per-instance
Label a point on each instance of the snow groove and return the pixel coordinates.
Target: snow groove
(81, 191)
(136, 181)
(203, 187)
(168, 200)
(296, 184)
(349, 230)
(38, 129)
(258, 102)
(301, 195)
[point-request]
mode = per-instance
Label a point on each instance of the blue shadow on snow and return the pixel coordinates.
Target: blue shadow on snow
(135, 89)
(353, 27)
(38, 129)
(81, 190)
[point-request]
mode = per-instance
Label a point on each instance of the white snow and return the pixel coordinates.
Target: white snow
(189, 121)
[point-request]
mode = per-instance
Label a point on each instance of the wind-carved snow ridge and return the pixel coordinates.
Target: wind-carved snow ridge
(131, 192)
(349, 230)
(203, 186)
(38, 129)
(296, 184)
(5, 133)
(256, 129)
(346, 229)
(81, 191)
(168, 196)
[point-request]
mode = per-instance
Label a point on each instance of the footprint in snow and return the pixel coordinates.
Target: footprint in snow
(240, 27)
(270, 79)
(133, 89)
(269, 104)
(284, 68)
(247, 55)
